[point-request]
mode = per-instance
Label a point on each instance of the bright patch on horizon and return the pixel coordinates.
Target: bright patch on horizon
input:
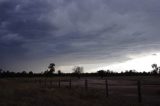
(142, 63)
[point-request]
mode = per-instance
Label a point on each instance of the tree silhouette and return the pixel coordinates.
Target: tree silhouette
(51, 68)
(101, 73)
(30, 74)
(77, 70)
(155, 69)
(59, 72)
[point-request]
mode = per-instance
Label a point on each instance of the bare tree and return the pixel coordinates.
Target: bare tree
(77, 70)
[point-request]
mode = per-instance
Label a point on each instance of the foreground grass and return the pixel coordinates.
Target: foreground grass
(17, 93)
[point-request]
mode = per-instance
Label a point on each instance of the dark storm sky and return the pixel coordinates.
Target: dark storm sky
(34, 33)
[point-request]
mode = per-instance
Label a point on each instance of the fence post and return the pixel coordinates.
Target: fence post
(139, 91)
(70, 83)
(45, 82)
(86, 84)
(51, 83)
(35, 80)
(107, 92)
(59, 83)
(40, 83)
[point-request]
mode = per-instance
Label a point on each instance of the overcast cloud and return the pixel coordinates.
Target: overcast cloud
(34, 33)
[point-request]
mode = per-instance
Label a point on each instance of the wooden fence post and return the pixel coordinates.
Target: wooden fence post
(70, 83)
(107, 92)
(86, 84)
(139, 91)
(45, 82)
(35, 80)
(40, 83)
(51, 83)
(59, 83)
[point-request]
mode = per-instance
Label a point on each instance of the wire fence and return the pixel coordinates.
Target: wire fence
(137, 88)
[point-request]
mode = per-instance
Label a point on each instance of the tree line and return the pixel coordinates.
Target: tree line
(78, 72)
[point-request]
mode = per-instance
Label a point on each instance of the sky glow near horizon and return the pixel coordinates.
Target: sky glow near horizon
(96, 34)
(139, 64)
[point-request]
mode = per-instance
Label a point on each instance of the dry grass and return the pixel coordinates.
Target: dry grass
(22, 93)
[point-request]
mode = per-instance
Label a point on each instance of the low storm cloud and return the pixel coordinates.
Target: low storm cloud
(34, 33)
